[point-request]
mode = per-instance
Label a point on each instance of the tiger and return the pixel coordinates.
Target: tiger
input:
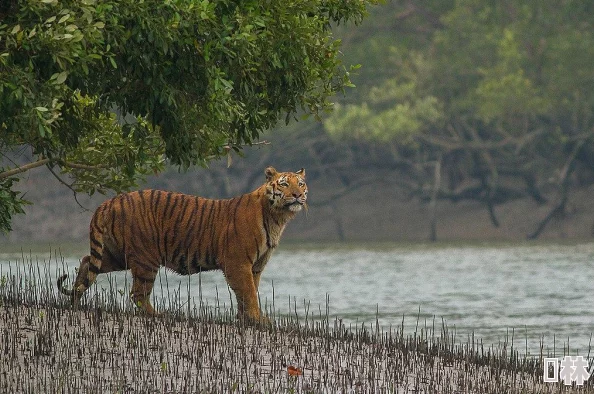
(143, 230)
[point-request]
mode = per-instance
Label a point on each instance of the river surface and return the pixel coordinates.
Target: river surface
(532, 293)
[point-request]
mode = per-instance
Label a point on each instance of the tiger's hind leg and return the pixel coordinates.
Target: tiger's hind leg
(143, 281)
(85, 277)
(81, 278)
(88, 270)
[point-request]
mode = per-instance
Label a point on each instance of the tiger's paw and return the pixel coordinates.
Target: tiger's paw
(261, 321)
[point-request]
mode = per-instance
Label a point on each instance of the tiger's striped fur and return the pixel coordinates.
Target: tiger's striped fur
(144, 230)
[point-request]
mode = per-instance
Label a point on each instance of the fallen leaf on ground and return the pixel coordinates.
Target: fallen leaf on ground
(294, 371)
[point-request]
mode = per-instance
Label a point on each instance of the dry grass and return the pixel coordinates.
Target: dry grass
(46, 346)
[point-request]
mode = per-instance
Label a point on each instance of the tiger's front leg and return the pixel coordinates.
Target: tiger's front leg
(241, 279)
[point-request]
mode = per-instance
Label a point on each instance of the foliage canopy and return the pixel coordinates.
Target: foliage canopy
(499, 94)
(194, 79)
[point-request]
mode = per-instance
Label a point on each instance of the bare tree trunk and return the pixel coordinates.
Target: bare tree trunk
(433, 203)
(338, 223)
(557, 210)
(490, 184)
(564, 181)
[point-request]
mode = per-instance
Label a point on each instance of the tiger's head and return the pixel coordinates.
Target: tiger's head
(286, 190)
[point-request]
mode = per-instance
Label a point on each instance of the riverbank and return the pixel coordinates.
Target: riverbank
(49, 347)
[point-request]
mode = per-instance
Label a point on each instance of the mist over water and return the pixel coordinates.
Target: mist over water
(535, 293)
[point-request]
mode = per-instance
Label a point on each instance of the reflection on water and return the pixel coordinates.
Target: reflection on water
(538, 291)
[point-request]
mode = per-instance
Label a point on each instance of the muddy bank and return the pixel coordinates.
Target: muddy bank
(55, 349)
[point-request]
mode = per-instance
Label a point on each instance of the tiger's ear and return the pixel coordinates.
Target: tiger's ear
(270, 173)
(301, 173)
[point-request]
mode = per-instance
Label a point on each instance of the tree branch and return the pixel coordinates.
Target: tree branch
(460, 145)
(45, 161)
(78, 166)
(68, 186)
(24, 168)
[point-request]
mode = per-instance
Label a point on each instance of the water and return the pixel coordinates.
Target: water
(536, 293)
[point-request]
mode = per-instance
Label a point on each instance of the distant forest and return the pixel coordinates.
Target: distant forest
(469, 120)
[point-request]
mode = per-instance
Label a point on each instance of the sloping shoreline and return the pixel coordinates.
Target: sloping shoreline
(55, 349)
(47, 346)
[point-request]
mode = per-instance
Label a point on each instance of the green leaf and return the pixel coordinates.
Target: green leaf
(64, 18)
(61, 77)
(41, 109)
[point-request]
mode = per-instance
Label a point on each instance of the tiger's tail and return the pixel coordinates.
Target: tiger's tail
(75, 292)
(63, 290)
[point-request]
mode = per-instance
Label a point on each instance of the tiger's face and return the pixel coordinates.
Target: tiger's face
(286, 190)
